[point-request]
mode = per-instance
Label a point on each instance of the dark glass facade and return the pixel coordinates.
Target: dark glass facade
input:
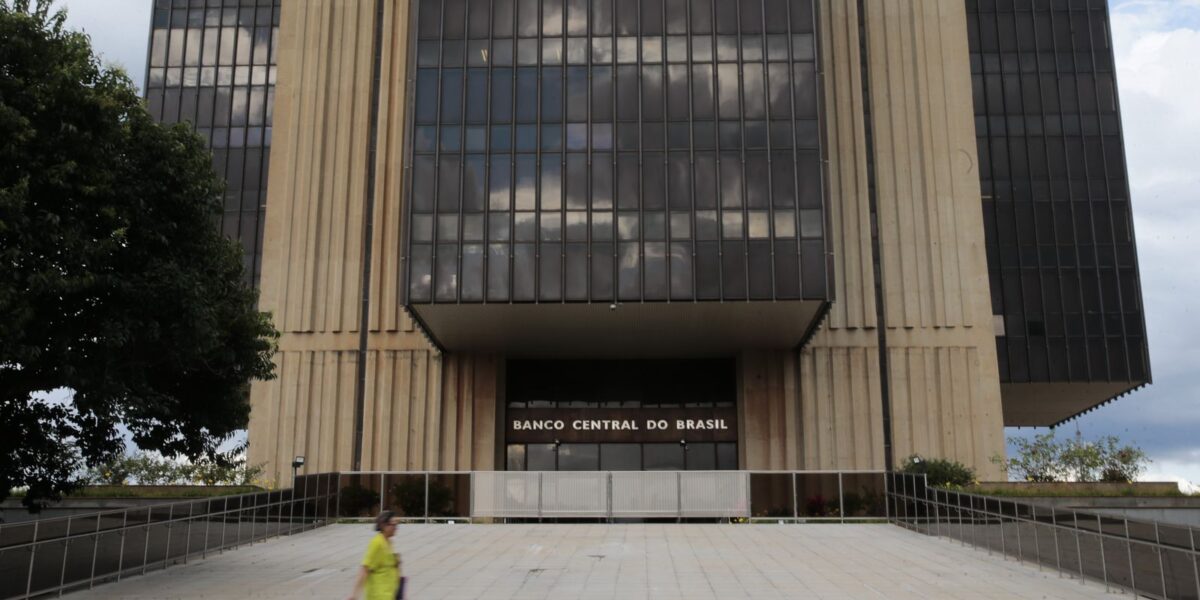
(600, 150)
(212, 64)
(1060, 244)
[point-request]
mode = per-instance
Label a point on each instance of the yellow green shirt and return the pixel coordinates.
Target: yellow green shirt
(383, 567)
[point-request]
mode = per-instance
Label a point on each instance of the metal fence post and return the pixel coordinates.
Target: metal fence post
(170, 522)
(1158, 547)
(796, 498)
(678, 496)
(337, 505)
(208, 518)
(1037, 548)
(292, 509)
(841, 495)
(32, 558)
(95, 550)
(121, 556)
(609, 495)
(539, 508)
(1195, 559)
(975, 525)
(1000, 518)
(62, 570)
(224, 523)
(1103, 559)
(146, 543)
(187, 540)
(962, 532)
(426, 496)
(888, 489)
(1017, 522)
(1057, 550)
(1078, 547)
(1128, 551)
(937, 510)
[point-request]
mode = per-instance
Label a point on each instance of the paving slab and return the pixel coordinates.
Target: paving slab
(586, 561)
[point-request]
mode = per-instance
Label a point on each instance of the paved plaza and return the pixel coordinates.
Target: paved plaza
(615, 561)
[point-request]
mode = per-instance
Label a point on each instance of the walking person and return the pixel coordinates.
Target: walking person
(380, 572)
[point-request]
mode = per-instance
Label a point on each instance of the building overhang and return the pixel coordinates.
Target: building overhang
(1049, 404)
(621, 330)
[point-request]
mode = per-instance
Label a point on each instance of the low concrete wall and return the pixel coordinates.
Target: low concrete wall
(1154, 505)
(12, 511)
(1075, 489)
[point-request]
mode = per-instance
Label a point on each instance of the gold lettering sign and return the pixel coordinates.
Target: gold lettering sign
(620, 425)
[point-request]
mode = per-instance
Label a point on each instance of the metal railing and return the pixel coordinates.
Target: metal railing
(792, 496)
(1156, 560)
(58, 555)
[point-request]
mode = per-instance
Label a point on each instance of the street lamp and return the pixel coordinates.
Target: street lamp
(296, 464)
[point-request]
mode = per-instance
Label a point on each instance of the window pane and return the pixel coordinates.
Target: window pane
(727, 91)
(525, 188)
(652, 93)
(552, 90)
(474, 183)
(541, 457)
(577, 94)
(579, 457)
(452, 89)
(731, 181)
(448, 182)
(602, 93)
(527, 95)
(662, 457)
(627, 93)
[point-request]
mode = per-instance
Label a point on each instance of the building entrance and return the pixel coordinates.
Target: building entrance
(621, 415)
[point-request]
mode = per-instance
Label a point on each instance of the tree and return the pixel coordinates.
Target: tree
(1038, 460)
(1045, 459)
(940, 472)
(115, 282)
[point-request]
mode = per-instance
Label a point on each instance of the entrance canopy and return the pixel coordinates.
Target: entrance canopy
(635, 330)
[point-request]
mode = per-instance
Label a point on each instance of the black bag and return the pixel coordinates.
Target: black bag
(400, 590)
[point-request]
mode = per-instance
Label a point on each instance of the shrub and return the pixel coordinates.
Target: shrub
(356, 500)
(939, 471)
(410, 498)
(1120, 464)
(1039, 459)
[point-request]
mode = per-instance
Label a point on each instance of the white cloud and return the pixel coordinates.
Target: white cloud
(1182, 467)
(120, 30)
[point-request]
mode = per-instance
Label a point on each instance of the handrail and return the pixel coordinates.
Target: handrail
(57, 558)
(1154, 572)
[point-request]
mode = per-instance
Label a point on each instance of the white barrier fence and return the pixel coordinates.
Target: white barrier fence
(610, 494)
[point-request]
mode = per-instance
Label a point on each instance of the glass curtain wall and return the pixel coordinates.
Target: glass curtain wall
(599, 150)
(212, 65)
(1065, 284)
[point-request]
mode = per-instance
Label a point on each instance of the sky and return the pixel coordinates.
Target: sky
(1157, 44)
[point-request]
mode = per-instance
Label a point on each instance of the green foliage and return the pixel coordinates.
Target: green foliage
(357, 501)
(1047, 459)
(409, 496)
(140, 468)
(939, 471)
(1038, 460)
(1120, 464)
(116, 282)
